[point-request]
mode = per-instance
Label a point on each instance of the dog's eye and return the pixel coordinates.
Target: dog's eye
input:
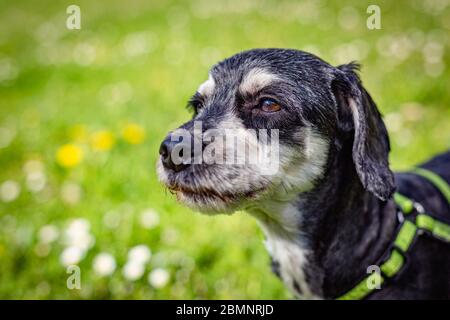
(195, 103)
(268, 105)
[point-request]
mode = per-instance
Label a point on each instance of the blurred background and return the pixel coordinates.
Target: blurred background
(82, 114)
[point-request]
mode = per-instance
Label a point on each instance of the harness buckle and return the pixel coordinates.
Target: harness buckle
(419, 208)
(400, 216)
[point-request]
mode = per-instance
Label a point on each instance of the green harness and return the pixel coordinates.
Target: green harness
(409, 229)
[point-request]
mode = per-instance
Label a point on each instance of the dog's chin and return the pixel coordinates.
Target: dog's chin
(211, 202)
(206, 204)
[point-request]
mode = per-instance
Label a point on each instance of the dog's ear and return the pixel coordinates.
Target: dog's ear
(357, 112)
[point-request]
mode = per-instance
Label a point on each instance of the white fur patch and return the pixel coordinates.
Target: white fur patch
(302, 167)
(207, 87)
(256, 79)
(291, 255)
(280, 218)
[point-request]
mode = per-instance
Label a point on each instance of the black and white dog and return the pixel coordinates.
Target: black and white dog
(328, 212)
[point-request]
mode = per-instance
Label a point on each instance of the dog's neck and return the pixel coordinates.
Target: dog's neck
(322, 241)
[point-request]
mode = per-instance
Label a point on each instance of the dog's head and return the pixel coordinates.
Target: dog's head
(302, 102)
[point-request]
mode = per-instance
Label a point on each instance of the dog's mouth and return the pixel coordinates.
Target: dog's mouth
(215, 194)
(204, 193)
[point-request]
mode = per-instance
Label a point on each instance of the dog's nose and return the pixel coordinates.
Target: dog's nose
(165, 150)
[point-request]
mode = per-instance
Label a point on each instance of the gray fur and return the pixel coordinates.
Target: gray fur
(329, 213)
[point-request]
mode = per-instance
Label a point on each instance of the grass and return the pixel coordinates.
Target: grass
(138, 62)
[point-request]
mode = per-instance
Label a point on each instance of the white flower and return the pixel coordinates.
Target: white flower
(48, 233)
(84, 54)
(71, 255)
(133, 270)
(433, 52)
(104, 264)
(158, 278)
(137, 43)
(9, 191)
(116, 93)
(42, 249)
(169, 236)
(36, 181)
(77, 235)
(111, 219)
(149, 218)
(6, 137)
(8, 69)
(71, 192)
(43, 288)
(394, 121)
(80, 225)
(84, 242)
(32, 166)
(139, 254)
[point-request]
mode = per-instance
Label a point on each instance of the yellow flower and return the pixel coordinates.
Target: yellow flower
(102, 140)
(133, 133)
(69, 155)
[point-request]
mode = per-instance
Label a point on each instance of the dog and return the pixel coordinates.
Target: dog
(328, 212)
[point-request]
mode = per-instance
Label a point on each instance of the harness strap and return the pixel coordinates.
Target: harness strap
(404, 239)
(437, 228)
(435, 179)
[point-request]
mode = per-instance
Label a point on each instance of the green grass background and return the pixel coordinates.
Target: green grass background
(52, 78)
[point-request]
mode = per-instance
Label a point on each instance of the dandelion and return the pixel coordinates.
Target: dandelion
(69, 155)
(133, 270)
(158, 278)
(71, 255)
(149, 218)
(133, 133)
(104, 264)
(9, 191)
(140, 254)
(48, 233)
(102, 140)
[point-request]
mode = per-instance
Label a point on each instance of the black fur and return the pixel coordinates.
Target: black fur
(348, 219)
